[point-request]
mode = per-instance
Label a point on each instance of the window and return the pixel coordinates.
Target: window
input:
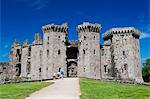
(40, 53)
(94, 37)
(48, 40)
(28, 68)
(84, 37)
(47, 53)
(105, 68)
(4, 67)
(123, 52)
(83, 51)
(29, 52)
(102, 52)
(58, 51)
(40, 70)
(84, 69)
(125, 66)
(122, 70)
(94, 52)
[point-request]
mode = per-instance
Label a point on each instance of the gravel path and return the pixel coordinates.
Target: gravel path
(66, 88)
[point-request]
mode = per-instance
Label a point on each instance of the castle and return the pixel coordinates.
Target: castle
(117, 59)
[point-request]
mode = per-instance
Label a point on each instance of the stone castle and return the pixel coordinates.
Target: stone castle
(117, 59)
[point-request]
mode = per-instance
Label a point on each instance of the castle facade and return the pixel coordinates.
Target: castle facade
(117, 59)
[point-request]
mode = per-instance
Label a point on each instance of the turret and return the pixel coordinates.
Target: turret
(125, 57)
(121, 31)
(26, 43)
(89, 50)
(88, 27)
(37, 39)
(55, 28)
(54, 48)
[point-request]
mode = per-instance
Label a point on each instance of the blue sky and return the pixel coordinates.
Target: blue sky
(21, 19)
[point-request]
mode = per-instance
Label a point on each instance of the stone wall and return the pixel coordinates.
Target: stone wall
(54, 55)
(117, 59)
(89, 50)
(125, 53)
(6, 72)
(106, 70)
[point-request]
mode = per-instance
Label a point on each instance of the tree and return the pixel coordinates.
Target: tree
(146, 71)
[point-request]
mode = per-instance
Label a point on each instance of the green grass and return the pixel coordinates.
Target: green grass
(20, 90)
(92, 89)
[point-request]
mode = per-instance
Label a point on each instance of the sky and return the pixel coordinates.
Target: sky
(21, 19)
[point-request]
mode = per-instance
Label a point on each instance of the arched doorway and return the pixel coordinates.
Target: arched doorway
(72, 69)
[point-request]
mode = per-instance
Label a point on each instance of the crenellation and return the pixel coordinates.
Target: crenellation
(123, 31)
(55, 28)
(88, 27)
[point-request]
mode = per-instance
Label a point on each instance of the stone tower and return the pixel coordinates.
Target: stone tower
(15, 57)
(89, 50)
(125, 57)
(54, 48)
(36, 64)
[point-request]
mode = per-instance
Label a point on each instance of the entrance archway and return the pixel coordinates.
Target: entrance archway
(72, 69)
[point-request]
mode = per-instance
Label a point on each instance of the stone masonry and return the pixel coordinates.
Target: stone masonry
(117, 59)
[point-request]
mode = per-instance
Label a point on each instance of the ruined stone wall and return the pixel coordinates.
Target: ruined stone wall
(136, 53)
(15, 57)
(36, 66)
(106, 62)
(24, 61)
(89, 50)
(54, 54)
(6, 72)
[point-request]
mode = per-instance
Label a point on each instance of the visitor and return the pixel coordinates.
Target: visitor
(58, 74)
(62, 72)
(54, 76)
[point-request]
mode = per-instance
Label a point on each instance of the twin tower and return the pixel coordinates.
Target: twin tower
(117, 59)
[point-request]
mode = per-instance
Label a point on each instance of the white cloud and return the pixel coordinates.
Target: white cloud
(38, 4)
(144, 35)
(33, 4)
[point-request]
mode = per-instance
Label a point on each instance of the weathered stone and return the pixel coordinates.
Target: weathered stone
(117, 60)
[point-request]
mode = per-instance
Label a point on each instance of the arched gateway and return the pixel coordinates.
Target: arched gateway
(72, 55)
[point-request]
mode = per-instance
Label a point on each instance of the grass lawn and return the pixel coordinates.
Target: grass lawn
(92, 89)
(20, 90)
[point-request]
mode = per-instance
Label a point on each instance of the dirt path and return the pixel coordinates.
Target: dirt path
(66, 88)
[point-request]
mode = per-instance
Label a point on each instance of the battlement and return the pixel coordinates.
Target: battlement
(55, 28)
(123, 30)
(16, 43)
(88, 27)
